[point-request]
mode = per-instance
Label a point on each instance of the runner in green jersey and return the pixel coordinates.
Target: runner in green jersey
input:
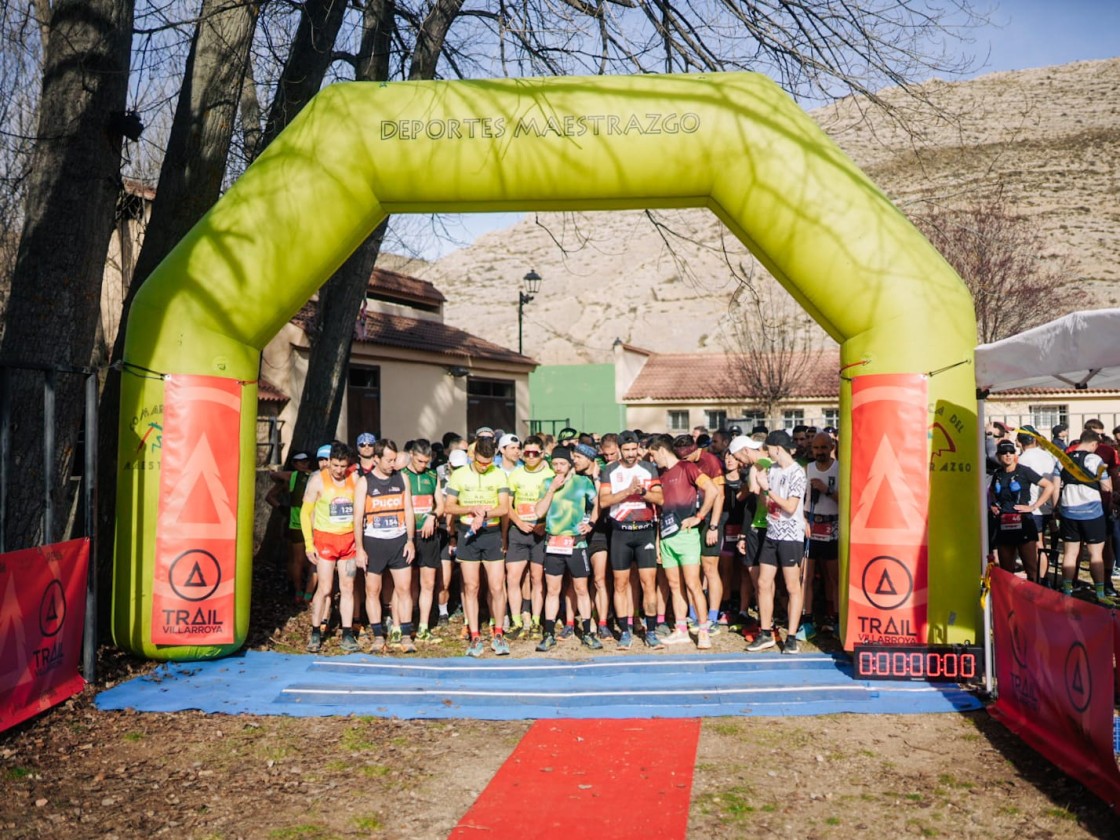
(568, 505)
(525, 539)
(427, 505)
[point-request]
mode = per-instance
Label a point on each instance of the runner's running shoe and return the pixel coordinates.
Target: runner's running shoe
(316, 642)
(348, 643)
(590, 641)
(476, 647)
(567, 633)
(426, 635)
(704, 640)
(604, 633)
(548, 642)
(653, 642)
(791, 645)
(664, 630)
(806, 632)
(395, 637)
(407, 645)
(499, 645)
(678, 637)
(516, 632)
(764, 641)
(536, 634)
(625, 640)
(378, 645)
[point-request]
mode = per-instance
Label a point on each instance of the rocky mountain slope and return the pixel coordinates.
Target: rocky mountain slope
(1048, 138)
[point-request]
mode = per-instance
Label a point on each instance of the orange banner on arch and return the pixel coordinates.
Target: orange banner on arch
(196, 542)
(888, 577)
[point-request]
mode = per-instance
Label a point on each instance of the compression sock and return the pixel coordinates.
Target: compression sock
(713, 616)
(586, 626)
(651, 623)
(661, 618)
(378, 629)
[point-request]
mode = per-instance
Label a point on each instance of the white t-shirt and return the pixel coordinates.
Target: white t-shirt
(1046, 465)
(788, 483)
(1080, 501)
(826, 505)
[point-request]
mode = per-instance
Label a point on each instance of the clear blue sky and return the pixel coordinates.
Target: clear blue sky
(1034, 33)
(1022, 34)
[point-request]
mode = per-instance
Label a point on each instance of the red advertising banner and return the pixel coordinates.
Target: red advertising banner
(888, 576)
(196, 542)
(42, 613)
(1055, 673)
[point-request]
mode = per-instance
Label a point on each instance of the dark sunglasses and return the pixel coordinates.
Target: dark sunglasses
(531, 453)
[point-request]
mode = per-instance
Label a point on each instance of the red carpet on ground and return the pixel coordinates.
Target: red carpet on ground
(604, 778)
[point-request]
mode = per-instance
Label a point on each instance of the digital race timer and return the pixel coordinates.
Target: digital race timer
(932, 663)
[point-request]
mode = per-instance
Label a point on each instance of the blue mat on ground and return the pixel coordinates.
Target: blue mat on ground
(264, 683)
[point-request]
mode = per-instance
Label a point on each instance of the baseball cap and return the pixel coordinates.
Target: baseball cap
(562, 453)
(567, 433)
(324, 451)
(735, 431)
(484, 431)
(509, 440)
(780, 437)
(760, 430)
(301, 456)
(627, 436)
(741, 442)
(1029, 429)
(458, 458)
(1005, 446)
(367, 439)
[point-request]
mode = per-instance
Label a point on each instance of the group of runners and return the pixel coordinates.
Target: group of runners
(1043, 493)
(628, 537)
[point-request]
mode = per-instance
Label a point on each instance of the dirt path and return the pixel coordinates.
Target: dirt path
(76, 772)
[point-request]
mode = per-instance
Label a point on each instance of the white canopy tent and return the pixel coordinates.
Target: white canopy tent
(1080, 350)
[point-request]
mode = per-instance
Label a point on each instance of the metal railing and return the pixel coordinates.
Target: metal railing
(88, 492)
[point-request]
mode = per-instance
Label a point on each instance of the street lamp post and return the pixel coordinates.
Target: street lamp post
(532, 286)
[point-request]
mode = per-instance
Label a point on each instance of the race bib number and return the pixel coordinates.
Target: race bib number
(561, 545)
(422, 504)
(669, 525)
(1010, 522)
(341, 511)
(822, 531)
(385, 523)
(527, 511)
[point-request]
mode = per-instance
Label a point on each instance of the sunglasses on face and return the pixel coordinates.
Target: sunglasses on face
(532, 453)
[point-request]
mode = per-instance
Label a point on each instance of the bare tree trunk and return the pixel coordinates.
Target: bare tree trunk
(194, 164)
(308, 61)
(55, 298)
(190, 181)
(341, 297)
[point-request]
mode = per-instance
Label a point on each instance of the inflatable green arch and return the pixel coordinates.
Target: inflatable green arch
(733, 143)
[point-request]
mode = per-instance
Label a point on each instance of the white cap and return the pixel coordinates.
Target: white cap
(742, 442)
(458, 458)
(508, 440)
